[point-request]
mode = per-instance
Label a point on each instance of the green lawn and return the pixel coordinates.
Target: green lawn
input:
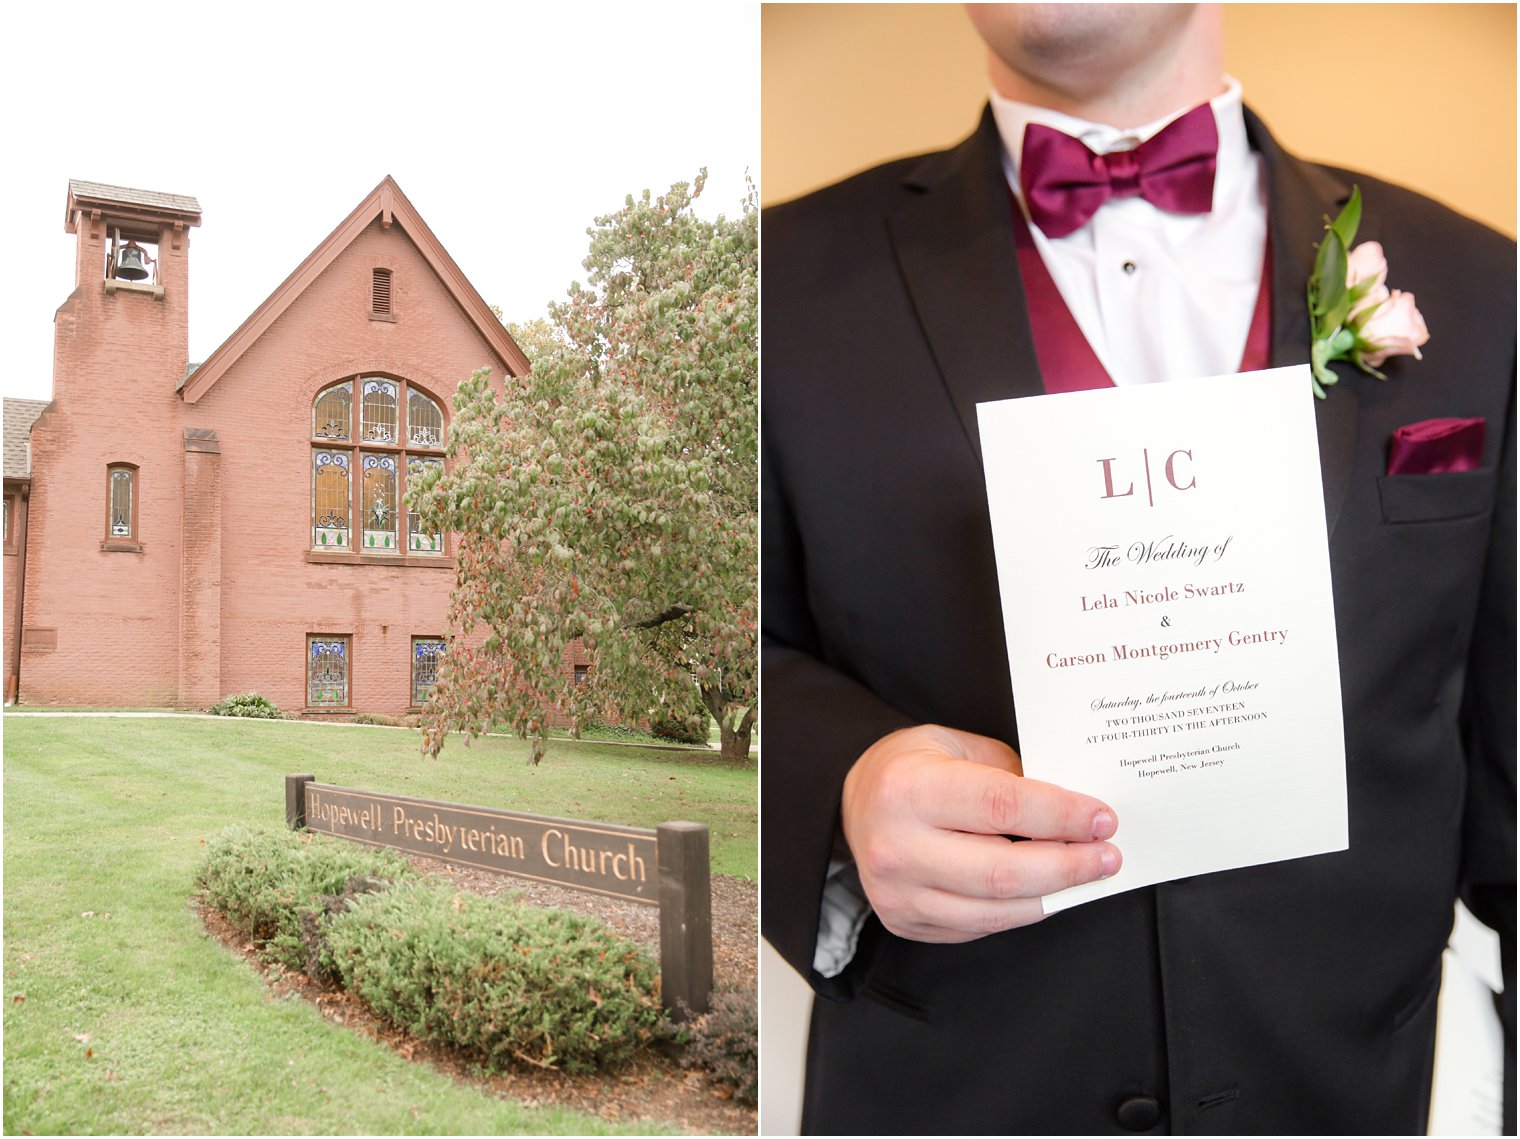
(138, 1022)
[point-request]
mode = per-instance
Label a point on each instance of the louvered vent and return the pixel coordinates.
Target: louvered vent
(380, 292)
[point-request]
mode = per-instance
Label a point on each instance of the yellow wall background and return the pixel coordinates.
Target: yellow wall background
(1421, 94)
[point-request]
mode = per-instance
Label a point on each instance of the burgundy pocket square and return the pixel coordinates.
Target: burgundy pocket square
(1435, 446)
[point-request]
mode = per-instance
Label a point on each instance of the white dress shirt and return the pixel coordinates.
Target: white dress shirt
(1158, 295)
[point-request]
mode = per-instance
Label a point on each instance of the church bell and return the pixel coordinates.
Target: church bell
(132, 262)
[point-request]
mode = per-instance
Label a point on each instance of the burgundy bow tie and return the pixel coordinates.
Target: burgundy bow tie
(1064, 182)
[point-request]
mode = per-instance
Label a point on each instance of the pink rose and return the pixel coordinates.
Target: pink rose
(1395, 327)
(1367, 263)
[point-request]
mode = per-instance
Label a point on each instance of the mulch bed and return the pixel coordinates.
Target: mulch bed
(654, 1088)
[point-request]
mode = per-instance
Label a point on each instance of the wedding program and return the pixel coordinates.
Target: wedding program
(1165, 580)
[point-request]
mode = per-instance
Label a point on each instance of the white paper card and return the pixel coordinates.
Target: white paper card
(1165, 581)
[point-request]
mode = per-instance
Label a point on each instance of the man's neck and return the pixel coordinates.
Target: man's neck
(1183, 73)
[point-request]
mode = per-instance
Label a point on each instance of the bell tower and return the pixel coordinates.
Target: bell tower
(130, 309)
(102, 620)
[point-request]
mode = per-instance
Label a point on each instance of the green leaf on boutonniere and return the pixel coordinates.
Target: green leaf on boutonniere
(1349, 219)
(1329, 285)
(1361, 289)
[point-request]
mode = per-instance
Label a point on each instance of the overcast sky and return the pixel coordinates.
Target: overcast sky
(510, 126)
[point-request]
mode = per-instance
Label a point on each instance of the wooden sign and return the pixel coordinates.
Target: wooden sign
(666, 866)
(602, 858)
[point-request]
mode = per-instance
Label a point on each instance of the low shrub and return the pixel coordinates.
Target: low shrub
(675, 732)
(379, 720)
(690, 729)
(597, 730)
(249, 704)
(264, 881)
(505, 982)
(314, 926)
(724, 1041)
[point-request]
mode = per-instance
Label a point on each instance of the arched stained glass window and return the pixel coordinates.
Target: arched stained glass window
(357, 494)
(379, 411)
(332, 418)
(424, 421)
(121, 491)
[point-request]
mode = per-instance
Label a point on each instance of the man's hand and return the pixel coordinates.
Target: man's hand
(926, 811)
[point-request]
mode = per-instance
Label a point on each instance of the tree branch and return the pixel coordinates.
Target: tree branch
(674, 613)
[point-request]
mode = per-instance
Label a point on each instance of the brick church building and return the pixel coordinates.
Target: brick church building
(178, 532)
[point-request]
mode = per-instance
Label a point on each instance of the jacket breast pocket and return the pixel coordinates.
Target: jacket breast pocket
(1444, 497)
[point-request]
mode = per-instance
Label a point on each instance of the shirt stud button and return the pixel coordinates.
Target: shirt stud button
(1129, 268)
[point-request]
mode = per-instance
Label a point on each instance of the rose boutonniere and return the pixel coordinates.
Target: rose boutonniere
(1354, 314)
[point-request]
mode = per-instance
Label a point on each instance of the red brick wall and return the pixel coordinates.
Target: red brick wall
(12, 577)
(200, 628)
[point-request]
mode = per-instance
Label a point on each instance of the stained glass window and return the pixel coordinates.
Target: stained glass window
(327, 671)
(121, 520)
(426, 653)
(333, 416)
(420, 540)
(379, 491)
(330, 500)
(424, 421)
(379, 411)
(362, 491)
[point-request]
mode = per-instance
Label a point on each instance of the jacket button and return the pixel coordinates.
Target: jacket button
(1139, 1113)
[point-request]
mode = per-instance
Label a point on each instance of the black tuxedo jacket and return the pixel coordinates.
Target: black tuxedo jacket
(1297, 997)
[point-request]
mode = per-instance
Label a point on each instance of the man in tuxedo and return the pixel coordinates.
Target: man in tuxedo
(1291, 997)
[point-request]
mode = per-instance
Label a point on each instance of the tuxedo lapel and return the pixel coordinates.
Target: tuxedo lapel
(1299, 199)
(954, 246)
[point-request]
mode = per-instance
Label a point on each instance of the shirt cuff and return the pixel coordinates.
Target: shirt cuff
(842, 915)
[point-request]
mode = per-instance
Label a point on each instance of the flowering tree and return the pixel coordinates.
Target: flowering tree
(610, 496)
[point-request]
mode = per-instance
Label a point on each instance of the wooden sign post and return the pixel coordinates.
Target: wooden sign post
(667, 866)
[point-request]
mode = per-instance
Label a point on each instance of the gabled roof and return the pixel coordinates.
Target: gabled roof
(389, 204)
(20, 414)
